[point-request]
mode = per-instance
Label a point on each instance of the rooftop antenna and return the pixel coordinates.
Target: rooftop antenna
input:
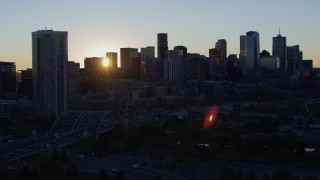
(279, 31)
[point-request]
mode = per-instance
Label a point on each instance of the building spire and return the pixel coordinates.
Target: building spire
(279, 31)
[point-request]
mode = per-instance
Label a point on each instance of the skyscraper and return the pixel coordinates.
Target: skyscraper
(49, 72)
(147, 52)
(183, 48)
(7, 77)
(26, 83)
(221, 46)
(113, 59)
(243, 39)
(162, 45)
(93, 68)
(127, 56)
(294, 59)
(279, 49)
(252, 50)
(73, 84)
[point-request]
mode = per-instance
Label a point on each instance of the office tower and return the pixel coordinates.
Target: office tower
(210, 68)
(221, 46)
(154, 68)
(162, 45)
(232, 58)
(73, 84)
(271, 63)
(215, 54)
(127, 55)
(252, 50)
(194, 67)
(7, 77)
(294, 59)
(173, 69)
(175, 54)
(279, 49)
(49, 72)
(242, 55)
(94, 69)
(183, 49)
(26, 83)
(113, 59)
(147, 52)
(307, 64)
(243, 39)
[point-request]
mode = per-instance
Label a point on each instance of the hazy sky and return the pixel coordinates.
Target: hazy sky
(98, 26)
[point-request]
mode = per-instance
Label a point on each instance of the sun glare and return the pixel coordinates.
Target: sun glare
(106, 62)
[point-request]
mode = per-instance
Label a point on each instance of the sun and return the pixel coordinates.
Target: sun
(106, 62)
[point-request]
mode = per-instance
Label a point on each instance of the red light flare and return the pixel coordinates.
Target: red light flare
(210, 117)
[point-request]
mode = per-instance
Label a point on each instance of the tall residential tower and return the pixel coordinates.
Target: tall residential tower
(49, 72)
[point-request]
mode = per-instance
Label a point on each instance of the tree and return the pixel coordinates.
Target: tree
(34, 172)
(238, 175)
(157, 178)
(227, 174)
(3, 171)
(281, 174)
(72, 171)
(265, 177)
(51, 170)
(64, 157)
(55, 156)
(102, 174)
(310, 178)
(251, 175)
(120, 175)
(25, 172)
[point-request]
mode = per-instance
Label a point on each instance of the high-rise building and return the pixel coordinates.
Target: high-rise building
(194, 67)
(279, 49)
(147, 52)
(162, 45)
(7, 77)
(127, 56)
(252, 50)
(232, 58)
(221, 46)
(307, 64)
(242, 55)
(270, 63)
(113, 59)
(73, 84)
(215, 54)
(173, 69)
(243, 39)
(294, 59)
(26, 83)
(154, 69)
(93, 68)
(175, 54)
(49, 72)
(183, 49)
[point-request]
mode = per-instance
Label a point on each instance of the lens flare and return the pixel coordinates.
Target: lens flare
(210, 118)
(106, 62)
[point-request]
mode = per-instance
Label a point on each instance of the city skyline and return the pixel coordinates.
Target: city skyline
(98, 27)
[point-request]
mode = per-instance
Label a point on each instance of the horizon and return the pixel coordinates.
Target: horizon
(97, 27)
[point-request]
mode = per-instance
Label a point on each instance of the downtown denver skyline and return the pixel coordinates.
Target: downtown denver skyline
(96, 27)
